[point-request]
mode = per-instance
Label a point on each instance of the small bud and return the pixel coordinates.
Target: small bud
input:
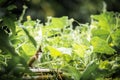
(28, 18)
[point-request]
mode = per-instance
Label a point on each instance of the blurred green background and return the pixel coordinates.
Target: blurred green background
(77, 9)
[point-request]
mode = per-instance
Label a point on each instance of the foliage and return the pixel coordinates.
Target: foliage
(91, 48)
(88, 52)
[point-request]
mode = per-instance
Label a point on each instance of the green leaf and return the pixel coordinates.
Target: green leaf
(104, 64)
(26, 55)
(54, 52)
(65, 50)
(29, 49)
(67, 57)
(9, 22)
(101, 46)
(72, 71)
(30, 37)
(11, 7)
(46, 31)
(105, 21)
(91, 67)
(29, 23)
(55, 26)
(101, 33)
(59, 22)
(116, 38)
(5, 43)
(80, 50)
(2, 61)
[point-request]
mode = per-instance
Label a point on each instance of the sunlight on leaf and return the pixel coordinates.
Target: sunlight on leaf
(106, 21)
(103, 34)
(104, 64)
(116, 38)
(59, 22)
(54, 52)
(101, 46)
(29, 49)
(80, 50)
(64, 50)
(30, 37)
